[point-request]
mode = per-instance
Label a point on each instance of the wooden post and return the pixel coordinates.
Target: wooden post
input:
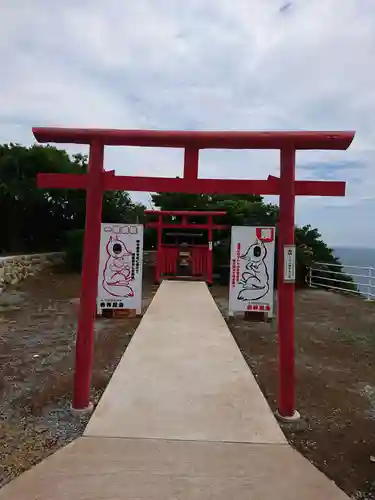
(89, 287)
(285, 290)
(209, 255)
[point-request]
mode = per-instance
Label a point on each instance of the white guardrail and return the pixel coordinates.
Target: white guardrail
(327, 276)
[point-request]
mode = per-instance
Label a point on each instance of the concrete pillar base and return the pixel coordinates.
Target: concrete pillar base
(293, 418)
(82, 412)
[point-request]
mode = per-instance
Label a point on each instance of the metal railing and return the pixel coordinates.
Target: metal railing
(332, 276)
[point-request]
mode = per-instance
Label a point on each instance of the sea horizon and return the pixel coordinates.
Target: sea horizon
(358, 261)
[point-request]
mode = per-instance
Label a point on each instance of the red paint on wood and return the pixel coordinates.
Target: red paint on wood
(62, 181)
(191, 160)
(209, 186)
(189, 213)
(197, 139)
(167, 257)
(210, 247)
(285, 291)
(97, 181)
(201, 266)
(186, 226)
(194, 186)
(90, 266)
(315, 188)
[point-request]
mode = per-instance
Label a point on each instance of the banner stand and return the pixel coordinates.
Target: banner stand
(251, 286)
(120, 270)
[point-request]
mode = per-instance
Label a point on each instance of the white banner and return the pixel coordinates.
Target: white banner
(120, 267)
(252, 269)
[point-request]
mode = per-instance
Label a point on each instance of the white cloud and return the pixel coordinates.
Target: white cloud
(201, 65)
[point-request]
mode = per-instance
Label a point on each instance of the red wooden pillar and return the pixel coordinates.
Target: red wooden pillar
(209, 255)
(89, 287)
(191, 160)
(285, 306)
(159, 252)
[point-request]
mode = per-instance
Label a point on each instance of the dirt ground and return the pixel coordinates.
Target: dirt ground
(335, 372)
(37, 338)
(335, 347)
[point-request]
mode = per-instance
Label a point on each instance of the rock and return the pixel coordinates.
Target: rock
(9, 308)
(11, 298)
(15, 269)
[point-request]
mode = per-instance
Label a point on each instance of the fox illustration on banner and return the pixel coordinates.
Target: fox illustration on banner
(117, 272)
(255, 277)
(252, 269)
(120, 267)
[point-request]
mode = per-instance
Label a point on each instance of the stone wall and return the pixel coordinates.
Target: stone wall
(15, 268)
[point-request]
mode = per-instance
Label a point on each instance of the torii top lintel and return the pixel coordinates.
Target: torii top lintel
(197, 139)
(192, 142)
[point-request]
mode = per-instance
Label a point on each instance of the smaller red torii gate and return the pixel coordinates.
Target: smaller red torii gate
(97, 180)
(167, 255)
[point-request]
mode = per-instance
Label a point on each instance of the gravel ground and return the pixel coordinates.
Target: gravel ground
(37, 336)
(335, 382)
(335, 393)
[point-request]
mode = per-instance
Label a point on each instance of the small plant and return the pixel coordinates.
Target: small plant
(73, 246)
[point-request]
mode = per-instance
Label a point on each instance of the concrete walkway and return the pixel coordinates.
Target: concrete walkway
(182, 418)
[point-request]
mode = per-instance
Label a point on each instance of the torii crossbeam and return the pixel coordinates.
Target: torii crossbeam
(96, 181)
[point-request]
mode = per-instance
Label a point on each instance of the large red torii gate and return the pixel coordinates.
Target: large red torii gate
(96, 181)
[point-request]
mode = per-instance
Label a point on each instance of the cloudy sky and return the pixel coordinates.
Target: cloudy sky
(212, 64)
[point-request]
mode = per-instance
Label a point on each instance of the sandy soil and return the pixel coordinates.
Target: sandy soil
(37, 337)
(335, 347)
(335, 389)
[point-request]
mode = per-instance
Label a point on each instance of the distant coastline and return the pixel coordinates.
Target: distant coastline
(352, 256)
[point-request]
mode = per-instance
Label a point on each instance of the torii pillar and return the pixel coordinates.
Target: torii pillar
(96, 181)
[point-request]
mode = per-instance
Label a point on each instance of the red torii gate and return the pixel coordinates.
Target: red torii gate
(97, 180)
(209, 226)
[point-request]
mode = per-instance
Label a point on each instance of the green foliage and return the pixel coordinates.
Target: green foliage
(29, 215)
(251, 210)
(73, 247)
(36, 220)
(311, 248)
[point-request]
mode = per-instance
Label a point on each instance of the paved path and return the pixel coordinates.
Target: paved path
(182, 418)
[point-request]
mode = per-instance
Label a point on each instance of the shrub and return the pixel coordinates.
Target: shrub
(73, 247)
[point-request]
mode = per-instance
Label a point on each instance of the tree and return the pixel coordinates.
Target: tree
(312, 249)
(29, 215)
(251, 210)
(34, 220)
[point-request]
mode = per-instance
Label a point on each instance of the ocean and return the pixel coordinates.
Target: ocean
(350, 256)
